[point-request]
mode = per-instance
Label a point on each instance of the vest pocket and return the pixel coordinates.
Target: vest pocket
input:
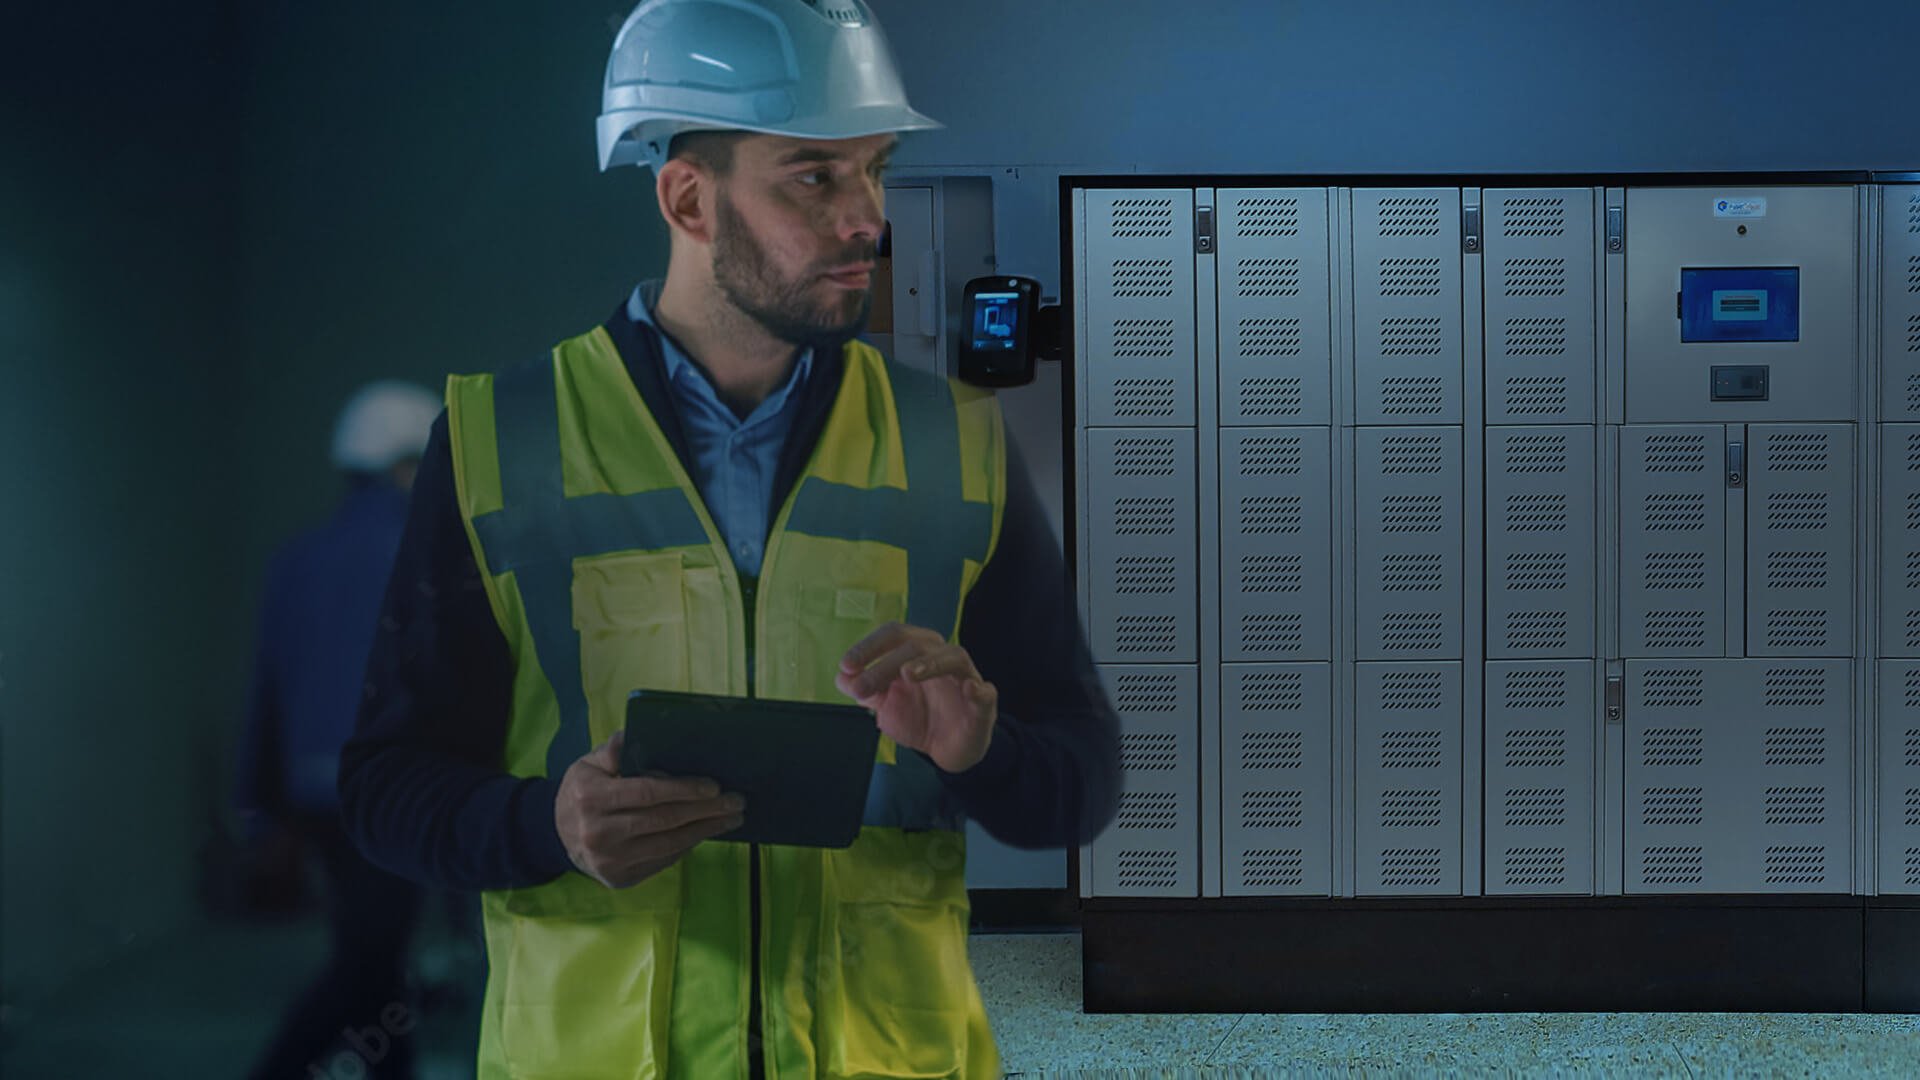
(631, 612)
(905, 985)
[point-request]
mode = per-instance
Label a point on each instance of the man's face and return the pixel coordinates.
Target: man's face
(796, 226)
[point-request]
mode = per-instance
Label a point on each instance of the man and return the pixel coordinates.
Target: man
(721, 491)
(316, 623)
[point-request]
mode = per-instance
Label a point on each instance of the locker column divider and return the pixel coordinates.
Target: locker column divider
(1206, 340)
(1082, 489)
(1473, 560)
(1612, 744)
(1345, 822)
(1866, 606)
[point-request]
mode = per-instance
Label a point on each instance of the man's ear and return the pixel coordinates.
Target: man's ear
(683, 190)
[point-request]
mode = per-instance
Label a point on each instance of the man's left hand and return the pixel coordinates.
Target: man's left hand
(926, 692)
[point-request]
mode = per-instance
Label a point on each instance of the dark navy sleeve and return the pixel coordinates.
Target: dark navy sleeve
(1051, 777)
(423, 790)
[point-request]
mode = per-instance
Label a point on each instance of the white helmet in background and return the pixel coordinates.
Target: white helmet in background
(811, 69)
(384, 423)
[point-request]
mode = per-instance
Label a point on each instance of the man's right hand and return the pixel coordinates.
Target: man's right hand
(622, 830)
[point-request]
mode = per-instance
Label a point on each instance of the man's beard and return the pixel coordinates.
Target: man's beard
(784, 308)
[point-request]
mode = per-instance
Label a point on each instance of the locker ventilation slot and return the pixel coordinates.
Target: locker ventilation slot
(1412, 454)
(1143, 397)
(1537, 513)
(1273, 868)
(1143, 457)
(1796, 688)
(1270, 337)
(1533, 216)
(1535, 277)
(1413, 632)
(1143, 279)
(1677, 570)
(1536, 748)
(1913, 333)
(1142, 219)
(1804, 746)
(1672, 865)
(1913, 273)
(1410, 277)
(1146, 633)
(1534, 867)
(1148, 810)
(1142, 693)
(1537, 631)
(1536, 454)
(1273, 455)
(1410, 867)
(1272, 633)
(1411, 808)
(1412, 396)
(1411, 750)
(1273, 810)
(1536, 808)
(1144, 517)
(1536, 689)
(1411, 336)
(1913, 629)
(1798, 452)
(1913, 444)
(1540, 336)
(1267, 217)
(1148, 869)
(1913, 569)
(1279, 691)
(1913, 748)
(1913, 866)
(1676, 630)
(1263, 515)
(1148, 575)
(1797, 511)
(1802, 629)
(1409, 217)
(1674, 688)
(1265, 750)
(1913, 808)
(1412, 573)
(1261, 279)
(1797, 570)
(1796, 806)
(1913, 509)
(1676, 453)
(1674, 748)
(1412, 513)
(1412, 690)
(1676, 512)
(1913, 381)
(1149, 752)
(1537, 395)
(1271, 397)
(1143, 338)
(1801, 865)
(1272, 573)
(1913, 218)
(1537, 571)
(1673, 806)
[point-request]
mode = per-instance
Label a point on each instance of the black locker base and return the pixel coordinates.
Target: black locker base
(1682, 954)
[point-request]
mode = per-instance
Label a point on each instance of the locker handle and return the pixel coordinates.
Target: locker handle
(1736, 464)
(1616, 699)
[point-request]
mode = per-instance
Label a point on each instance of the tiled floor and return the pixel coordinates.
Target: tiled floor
(200, 1006)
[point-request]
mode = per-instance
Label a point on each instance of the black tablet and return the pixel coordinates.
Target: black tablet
(803, 767)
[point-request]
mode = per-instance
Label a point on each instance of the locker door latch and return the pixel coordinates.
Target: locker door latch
(1736, 464)
(1203, 230)
(1616, 699)
(1470, 230)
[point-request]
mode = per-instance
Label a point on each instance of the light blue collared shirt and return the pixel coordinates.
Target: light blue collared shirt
(734, 460)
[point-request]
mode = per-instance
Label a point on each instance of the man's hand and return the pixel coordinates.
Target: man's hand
(621, 831)
(927, 693)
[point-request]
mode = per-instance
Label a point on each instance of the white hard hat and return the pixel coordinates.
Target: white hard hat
(812, 69)
(385, 422)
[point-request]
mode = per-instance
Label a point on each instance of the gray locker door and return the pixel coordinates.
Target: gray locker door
(1408, 779)
(1737, 776)
(1539, 776)
(1277, 779)
(1540, 304)
(1407, 296)
(1408, 556)
(1143, 545)
(1153, 846)
(1276, 333)
(1140, 316)
(1276, 540)
(1673, 536)
(1900, 777)
(1900, 305)
(1541, 497)
(1800, 540)
(1900, 540)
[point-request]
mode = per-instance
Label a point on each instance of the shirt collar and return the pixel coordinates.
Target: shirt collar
(640, 305)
